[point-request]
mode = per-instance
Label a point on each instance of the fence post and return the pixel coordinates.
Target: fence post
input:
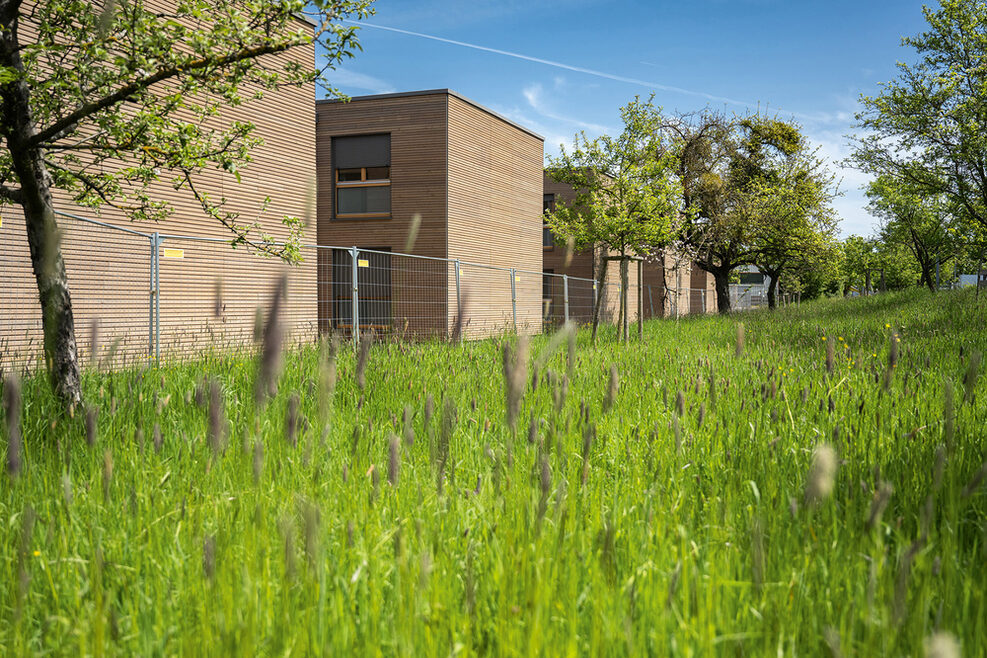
(355, 296)
(565, 295)
(514, 298)
(157, 297)
(640, 300)
(459, 302)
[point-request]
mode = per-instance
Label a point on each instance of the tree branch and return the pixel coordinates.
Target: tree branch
(11, 194)
(65, 124)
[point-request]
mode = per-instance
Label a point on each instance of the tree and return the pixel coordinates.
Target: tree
(923, 224)
(626, 199)
(703, 156)
(792, 194)
(731, 191)
(927, 126)
(100, 102)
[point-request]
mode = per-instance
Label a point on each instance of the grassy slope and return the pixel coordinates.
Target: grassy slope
(660, 550)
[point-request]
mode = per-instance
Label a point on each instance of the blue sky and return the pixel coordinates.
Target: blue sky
(804, 59)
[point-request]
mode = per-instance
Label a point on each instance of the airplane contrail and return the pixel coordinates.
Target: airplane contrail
(559, 65)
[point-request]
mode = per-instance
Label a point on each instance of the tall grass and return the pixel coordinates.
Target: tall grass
(710, 490)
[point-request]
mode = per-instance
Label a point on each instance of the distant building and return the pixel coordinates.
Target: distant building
(474, 179)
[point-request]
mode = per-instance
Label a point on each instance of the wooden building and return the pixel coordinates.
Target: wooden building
(471, 178)
(109, 270)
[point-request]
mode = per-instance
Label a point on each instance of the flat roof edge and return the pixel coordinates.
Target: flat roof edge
(434, 92)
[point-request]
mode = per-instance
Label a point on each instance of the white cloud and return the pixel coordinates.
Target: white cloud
(346, 80)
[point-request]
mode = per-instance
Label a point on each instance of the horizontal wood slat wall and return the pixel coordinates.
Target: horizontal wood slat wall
(417, 126)
(495, 209)
(109, 271)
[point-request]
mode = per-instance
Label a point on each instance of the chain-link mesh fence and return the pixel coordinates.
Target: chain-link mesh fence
(156, 295)
(110, 273)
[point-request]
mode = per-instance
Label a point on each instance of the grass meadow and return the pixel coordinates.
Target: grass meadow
(811, 483)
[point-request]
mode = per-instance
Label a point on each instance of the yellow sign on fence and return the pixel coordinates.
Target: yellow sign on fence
(174, 253)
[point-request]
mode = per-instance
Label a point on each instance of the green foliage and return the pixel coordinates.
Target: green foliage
(699, 514)
(926, 126)
(925, 225)
(122, 95)
(626, 198)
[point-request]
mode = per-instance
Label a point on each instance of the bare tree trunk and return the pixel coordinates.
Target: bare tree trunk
(721, 280)
(772, 289)
(34, 195)
(624, 306)
(601, 278)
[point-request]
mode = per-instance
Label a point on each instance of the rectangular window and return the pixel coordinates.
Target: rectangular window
(362, 166)
(548, 205)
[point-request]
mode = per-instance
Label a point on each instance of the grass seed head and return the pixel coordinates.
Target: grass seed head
(361, 362)
(942, 645)
(218, 306)
(91, 426)
(156, 437)
(416, 223)
(269, 365)
(822, 474)
(408, 429)
(393, 459)
(739, 350)
(429, 409)
(515, 363)
(830, 357)
(217, 416)
(67, 489)
(893, 351)
(12, 416)
(613, 387)
(462, 313)
(258, 461)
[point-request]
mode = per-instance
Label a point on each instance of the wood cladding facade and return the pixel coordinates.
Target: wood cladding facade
(109, 271)
(474, 180)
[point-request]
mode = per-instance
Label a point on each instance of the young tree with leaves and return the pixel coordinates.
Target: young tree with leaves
(626, 199)
(927, 126)
(791, 190)
(101, 101)
(924, 224)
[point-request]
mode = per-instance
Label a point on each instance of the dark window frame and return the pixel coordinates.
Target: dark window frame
(364, 182)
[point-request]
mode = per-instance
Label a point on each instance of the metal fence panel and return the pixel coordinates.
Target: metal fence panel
(109, 276)
(176, 295)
